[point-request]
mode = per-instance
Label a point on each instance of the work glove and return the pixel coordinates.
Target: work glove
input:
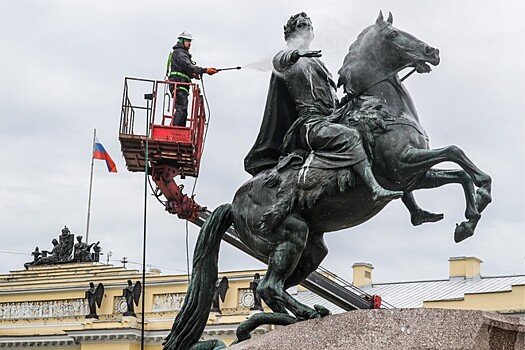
(211, 71)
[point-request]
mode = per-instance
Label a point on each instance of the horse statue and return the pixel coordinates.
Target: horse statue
(282, 214)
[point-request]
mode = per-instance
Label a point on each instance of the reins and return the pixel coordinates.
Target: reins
(388, 76)
(408, 74)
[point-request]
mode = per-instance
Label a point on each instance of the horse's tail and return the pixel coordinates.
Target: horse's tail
(191, 320)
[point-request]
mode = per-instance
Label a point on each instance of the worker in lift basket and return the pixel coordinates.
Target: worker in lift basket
(180, 68)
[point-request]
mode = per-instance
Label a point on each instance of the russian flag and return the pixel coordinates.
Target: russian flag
(99, 152)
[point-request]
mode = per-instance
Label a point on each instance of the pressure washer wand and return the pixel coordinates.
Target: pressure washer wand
(230, 68)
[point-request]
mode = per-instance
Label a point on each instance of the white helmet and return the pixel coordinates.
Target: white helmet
(185, 35)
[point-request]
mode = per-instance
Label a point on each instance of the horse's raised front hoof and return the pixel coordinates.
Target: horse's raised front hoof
(423, 216)
(463, 231)
(483, 198)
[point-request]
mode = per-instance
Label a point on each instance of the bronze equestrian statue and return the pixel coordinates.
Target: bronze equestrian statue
(283, 212)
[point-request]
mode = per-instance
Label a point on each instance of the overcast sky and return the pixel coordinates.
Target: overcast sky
(62, 68)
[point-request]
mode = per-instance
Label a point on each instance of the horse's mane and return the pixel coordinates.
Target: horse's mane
(355, 47)
(345, 72)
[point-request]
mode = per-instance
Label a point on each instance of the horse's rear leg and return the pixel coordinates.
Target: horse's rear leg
(292, 238)
(416, 160)
(436, 178)
(313, 254)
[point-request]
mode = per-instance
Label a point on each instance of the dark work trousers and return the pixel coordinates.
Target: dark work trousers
(181, 108)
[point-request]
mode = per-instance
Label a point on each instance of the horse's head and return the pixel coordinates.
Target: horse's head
(380, 51)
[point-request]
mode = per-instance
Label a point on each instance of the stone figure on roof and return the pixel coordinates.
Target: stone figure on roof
(94, 296)
(132, 295)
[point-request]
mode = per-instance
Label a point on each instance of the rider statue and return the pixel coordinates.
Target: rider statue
(301, 99)
(299, 121)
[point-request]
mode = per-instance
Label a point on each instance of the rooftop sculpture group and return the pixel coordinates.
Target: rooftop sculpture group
(320, 165)
(65, 251)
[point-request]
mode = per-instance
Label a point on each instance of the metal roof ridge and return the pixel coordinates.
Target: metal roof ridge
(504, 276)
(406, 282)
(477, 277)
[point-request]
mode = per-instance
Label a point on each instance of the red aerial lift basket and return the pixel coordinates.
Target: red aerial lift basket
(146, 123)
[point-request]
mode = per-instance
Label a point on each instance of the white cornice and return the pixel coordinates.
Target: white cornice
(111, 335)
(41, 341)
(22, 323)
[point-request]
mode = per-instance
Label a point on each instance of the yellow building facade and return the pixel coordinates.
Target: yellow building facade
(46, 307)
(466, 288)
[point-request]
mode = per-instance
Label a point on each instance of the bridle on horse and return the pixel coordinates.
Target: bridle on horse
(388, 76)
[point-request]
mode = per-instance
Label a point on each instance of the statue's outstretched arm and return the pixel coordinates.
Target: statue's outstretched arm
(286, 58)
(306, 53)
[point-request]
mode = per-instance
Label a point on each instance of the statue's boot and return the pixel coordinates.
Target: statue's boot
(422, 216)
(379, 193)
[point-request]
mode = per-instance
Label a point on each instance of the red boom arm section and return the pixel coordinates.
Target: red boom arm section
(177, 202)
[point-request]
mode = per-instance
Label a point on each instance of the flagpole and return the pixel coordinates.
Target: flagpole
(90, 186)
